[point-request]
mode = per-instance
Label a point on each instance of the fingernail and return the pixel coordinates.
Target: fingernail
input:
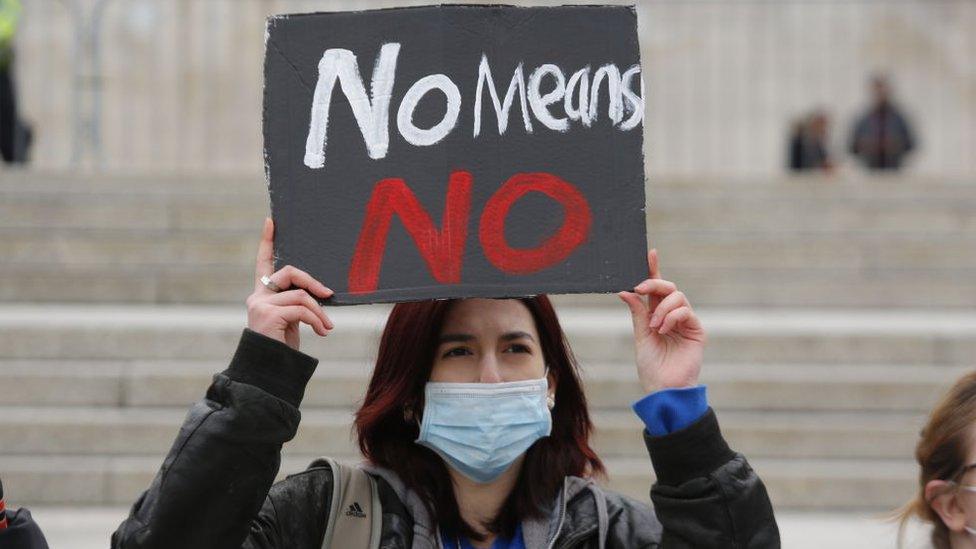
(655, 320)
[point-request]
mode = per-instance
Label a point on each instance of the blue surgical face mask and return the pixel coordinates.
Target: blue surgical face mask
(480, 429)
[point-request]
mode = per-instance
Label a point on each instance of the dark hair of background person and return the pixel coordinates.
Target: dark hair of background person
(941, 454)
(388, 421)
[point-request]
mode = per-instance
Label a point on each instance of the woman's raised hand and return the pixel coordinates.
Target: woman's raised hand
(278, 314)
(668, 337)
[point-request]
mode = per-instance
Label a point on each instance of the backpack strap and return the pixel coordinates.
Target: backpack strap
(355, 515)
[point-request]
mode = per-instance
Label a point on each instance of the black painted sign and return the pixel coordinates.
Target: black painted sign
(457, 151)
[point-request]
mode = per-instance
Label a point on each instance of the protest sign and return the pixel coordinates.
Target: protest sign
(457, 151)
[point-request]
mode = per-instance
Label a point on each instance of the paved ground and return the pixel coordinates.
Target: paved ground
(90, 529)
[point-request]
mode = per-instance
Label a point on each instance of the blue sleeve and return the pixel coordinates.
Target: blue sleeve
(517, 541)
(670, 410)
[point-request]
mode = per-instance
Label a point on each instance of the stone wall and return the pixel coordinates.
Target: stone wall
(177, 84)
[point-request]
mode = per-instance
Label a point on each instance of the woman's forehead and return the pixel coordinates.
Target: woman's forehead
(478, 315)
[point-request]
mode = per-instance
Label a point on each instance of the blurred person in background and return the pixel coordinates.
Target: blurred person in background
(882, 137)
(18, 529)
(15, 136)
(808, 144)
(946, 454)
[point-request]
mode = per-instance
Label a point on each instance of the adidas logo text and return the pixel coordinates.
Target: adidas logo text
(355, 511)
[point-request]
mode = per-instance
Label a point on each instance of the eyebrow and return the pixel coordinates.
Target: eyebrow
(517, 335)
(461, 338)
(455, 338)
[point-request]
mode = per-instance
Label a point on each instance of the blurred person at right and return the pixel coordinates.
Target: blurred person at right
(882, 137)
(946, 454)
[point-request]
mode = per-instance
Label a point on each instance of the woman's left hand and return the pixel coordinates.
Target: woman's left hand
(668, 337)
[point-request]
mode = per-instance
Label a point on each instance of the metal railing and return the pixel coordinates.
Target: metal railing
(176, 84)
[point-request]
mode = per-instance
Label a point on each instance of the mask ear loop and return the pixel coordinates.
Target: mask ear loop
(550, 399)
(411, 415)
(965, 488)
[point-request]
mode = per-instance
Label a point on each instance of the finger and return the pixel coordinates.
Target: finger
(264, 263)
(656, 287)
(289, 276)
(668, 304)
(299, 313)
(638, 312)
(680, 318)
(652, 263)
(301, 297)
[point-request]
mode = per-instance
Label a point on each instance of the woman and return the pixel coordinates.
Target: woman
(946, 454)
(474, 426)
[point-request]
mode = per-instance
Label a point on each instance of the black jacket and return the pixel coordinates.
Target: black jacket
(21, 531)
(214, 489)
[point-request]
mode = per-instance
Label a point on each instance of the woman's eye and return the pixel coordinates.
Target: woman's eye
(457, 351)
(518, 348)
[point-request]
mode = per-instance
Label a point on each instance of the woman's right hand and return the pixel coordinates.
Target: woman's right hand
(278, 314)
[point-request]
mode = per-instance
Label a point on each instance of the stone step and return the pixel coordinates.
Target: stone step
(125, 210)
(816, 216)
(851, 187)
(702, 249)
(814, 288)
(228, 202)
(866, 252)
(139, 182)
(105, 283)
(787, 207)
(43, 431)
(598, 335)
(836, 484)
(128, 247)
(230, 209)
(792, 483)
(176, 384)
(230, 284)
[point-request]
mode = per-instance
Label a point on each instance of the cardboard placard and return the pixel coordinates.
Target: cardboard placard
(457, 151)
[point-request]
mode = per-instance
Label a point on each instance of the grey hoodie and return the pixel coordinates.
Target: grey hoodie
(537, 532)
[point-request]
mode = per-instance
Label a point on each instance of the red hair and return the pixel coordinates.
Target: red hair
(386, 433)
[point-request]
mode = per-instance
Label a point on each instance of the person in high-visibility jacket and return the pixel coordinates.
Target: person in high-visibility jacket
(14, 136)
(9, 17)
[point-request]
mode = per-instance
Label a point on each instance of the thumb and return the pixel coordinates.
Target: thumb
(638, 313)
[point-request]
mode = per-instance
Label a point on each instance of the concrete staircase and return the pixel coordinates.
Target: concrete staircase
(837, 313)
(807, 242)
